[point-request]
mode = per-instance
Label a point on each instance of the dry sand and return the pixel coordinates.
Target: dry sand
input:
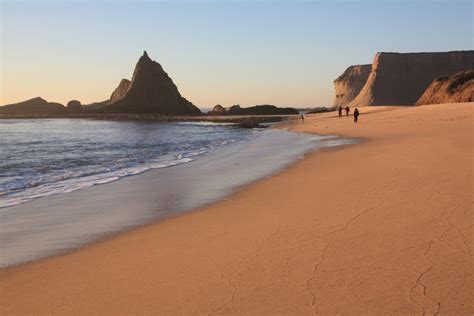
(385, 226)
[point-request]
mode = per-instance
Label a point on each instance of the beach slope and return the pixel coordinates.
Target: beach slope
(384, 226)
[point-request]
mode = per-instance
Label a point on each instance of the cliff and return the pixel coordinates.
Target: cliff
(33, 106)
(451, 89)
(401, 78)
(150, 91)
(349, 84)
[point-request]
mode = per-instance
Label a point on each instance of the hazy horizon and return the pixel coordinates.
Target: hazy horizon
(233, 52)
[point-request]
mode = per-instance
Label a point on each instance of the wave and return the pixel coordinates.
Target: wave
(206, 123)
(19, 192)
(81, 182)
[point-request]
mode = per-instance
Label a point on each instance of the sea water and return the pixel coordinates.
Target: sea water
(53, 156)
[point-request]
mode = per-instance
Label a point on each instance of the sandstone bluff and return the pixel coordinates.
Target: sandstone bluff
(451, 89)
(401, 78)
(349, 84)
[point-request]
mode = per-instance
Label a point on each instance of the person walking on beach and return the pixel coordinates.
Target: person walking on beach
(356, 115)
(302, 119)
(347, 110)
(339, 109)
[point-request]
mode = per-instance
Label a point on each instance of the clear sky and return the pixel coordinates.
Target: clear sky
(227, 52)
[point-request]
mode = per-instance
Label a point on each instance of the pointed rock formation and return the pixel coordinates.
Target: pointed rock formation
(349, 84)
(401, 78)
(120, 91)
(33, 106)
(452, 89)
(150, 91)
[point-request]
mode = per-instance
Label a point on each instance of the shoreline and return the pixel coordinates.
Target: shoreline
(179, 213)
(300, 241)
(148, 196)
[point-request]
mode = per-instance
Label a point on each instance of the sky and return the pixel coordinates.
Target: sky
(285, 53)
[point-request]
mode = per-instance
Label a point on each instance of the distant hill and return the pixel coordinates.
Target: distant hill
(36, 105)
(450, 89)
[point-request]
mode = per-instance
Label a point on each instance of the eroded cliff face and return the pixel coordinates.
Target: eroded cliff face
(452, 89)
(401, 78)
(349, 84)
(151, 90)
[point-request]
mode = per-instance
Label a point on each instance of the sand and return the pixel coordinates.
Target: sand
(381, 227)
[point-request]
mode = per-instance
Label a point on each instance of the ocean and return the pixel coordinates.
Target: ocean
(53, 156)
(67, 182)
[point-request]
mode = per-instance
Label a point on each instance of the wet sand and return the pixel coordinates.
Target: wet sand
(381, 227)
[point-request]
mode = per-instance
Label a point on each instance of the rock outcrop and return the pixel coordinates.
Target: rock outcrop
(401, 78)
(261, 110)
(322, 109)
(218, 110)
(234, 110)
(32, 107)
(252, 110)
(95, 105)
(451, 89)
(349, 84)
(74, 106)
(120, 91)
(150, 91)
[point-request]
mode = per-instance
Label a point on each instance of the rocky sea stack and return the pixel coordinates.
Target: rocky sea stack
(151, 90)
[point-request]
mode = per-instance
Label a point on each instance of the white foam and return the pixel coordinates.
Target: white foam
(77, 183)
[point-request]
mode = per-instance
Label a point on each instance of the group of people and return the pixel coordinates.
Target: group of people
(348, 110)
(339, 109)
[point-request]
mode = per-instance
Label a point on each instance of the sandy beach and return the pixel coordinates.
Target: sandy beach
(381, 227)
